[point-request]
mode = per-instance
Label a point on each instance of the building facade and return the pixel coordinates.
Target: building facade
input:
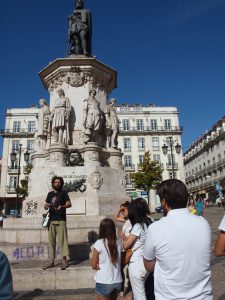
(20, 128)
(148, 128)
(204, 162)
(142, 128)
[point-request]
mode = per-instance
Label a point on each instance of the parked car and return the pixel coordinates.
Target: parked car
(159, 209)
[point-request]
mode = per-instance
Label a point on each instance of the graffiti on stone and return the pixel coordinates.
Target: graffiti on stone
(31, 208)
(33, 251)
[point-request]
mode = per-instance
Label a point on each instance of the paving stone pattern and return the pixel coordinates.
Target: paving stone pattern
(212, 214)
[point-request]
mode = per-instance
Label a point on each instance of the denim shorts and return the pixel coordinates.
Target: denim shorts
(106, 290)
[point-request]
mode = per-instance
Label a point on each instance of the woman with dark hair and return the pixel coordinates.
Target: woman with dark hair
(136, 240)
(106, 261)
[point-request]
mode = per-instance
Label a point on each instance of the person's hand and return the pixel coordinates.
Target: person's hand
(47, 205)
(58, 208)
(98, 268)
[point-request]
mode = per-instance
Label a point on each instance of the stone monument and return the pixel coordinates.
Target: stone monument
(83, 129)
(76, 139)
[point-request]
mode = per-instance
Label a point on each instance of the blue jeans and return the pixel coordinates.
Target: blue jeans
(106, 290)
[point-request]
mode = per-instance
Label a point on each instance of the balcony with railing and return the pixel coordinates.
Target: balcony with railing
(12, 170)
(149, 129)
(130, 186)
(171, 166)
(11, 189)
(21, 132)
(129, 167)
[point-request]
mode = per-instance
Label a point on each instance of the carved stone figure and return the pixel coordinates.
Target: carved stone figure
(60, 116)
(43, 117)
(91, 117)
(112, 125)
(80, 30)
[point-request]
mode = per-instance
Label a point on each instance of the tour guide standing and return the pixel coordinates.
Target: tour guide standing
(57, 202)
(180, 256)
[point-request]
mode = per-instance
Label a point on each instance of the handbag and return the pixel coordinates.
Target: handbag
(46, 220)
(126, 256)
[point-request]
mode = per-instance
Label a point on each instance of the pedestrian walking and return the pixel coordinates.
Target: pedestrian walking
(219, 249)
(200, 206)
(57, 202)
(179, 258)
(6, 285)
(106, 261)
(135, 242)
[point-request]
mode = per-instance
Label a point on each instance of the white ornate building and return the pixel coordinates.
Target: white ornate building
(142, 128)
(204, 162)
(148, 128)
(20, 127)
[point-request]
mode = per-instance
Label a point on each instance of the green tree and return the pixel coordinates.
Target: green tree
(149, 176)
(23, 188)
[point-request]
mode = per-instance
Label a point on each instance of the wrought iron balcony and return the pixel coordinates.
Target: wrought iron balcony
(170, 166)
(129, 167)
(22, 132)
(12, 170)
(11, 189)
(149, 129)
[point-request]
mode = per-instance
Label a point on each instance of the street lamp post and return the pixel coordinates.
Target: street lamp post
(13, 156)
(177, 148)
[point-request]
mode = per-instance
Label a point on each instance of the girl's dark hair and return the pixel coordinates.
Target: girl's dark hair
(137, 212)
(174, 192)
(125, 204)
(107, 231)
(57, 177)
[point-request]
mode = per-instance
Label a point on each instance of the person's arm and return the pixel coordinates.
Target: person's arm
(47, 204)
(6, 286)
(118, 217)
(219, 249)
(128, 243)
(95, 260)
(149, 264)
(149, 252)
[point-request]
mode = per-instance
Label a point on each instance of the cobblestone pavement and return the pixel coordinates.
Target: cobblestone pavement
(212, 214)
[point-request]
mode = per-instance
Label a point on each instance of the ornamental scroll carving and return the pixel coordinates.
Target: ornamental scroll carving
(95, 179)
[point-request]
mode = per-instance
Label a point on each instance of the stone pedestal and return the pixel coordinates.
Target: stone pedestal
(91, 153)
(57, 155)
(115, 158)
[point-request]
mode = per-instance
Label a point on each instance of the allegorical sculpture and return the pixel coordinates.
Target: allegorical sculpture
(112, 125)
(43, 117)
(60, 115)
(91, 117)
(80, 30)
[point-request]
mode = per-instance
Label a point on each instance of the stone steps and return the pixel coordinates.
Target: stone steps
(29, 230)
(32, 277)
(19, 254)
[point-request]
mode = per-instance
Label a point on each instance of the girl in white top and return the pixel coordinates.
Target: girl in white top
(136, 241)
(106, 261)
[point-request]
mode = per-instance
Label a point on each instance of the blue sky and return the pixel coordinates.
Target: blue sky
(167, 52)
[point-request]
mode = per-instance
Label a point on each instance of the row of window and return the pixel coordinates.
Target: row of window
(16, 143)
(31, 126)
(204, 165)
(141, 143)
(156, 157)
(140, 124)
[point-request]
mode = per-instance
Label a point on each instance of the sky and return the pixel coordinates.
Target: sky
(166, 52)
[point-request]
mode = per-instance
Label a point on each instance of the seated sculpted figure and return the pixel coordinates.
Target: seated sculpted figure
(60, 116)
(91, 117)
(112, 124)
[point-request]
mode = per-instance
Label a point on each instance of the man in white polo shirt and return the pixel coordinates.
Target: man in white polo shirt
(219, 249)
(177, 248)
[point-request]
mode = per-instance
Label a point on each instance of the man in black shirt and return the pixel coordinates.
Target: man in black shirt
(57, 202)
